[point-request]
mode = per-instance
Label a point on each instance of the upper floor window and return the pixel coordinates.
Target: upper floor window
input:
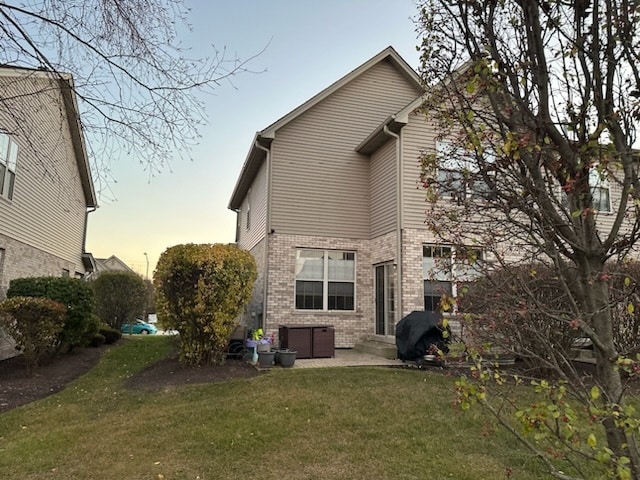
(325, 280)
(8, 161)
(599, 186)
(459, 174)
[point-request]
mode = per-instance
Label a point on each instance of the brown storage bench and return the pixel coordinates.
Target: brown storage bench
(310, 341)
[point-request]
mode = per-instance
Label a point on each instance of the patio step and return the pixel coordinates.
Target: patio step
(376, 347)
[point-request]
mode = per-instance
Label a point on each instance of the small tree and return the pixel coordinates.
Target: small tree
(35, 325)
(120, 297)
(200, 290)
(537, 104)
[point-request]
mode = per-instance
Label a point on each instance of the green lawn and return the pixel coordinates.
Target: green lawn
(341, 423)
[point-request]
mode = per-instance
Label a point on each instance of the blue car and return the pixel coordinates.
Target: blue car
(139, 327)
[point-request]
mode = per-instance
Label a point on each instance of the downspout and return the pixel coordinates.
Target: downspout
(399, 222)
(267, 233)
(84, 232)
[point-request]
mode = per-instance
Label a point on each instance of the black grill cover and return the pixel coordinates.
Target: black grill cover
(417, 332)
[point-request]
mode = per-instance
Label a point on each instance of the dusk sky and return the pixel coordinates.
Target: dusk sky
(309, 45)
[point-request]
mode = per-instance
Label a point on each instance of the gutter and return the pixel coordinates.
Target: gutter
(84, 232)
(268, 231)
(399, 220)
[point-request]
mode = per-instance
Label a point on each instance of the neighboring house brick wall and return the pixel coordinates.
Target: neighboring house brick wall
(19, 260)
(22, 260)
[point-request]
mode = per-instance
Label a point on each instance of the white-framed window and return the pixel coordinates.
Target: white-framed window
(458, 172)
(325, 280)
(600, 191)
(444, 270)
(8, 162)
(436, 274)
(599, 186)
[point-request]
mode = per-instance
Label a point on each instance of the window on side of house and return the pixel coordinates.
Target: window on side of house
(8, 162)
(600, 192)
(458, 173)
(436, 274)
(325, 280)
(599, 186)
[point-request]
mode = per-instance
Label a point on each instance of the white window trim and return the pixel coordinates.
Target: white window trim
(594, 183)
(454, 276)
(464, 161)
(325, 281)
(10, 166)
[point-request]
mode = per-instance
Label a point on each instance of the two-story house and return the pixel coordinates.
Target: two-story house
(46, 190)
(330, 202)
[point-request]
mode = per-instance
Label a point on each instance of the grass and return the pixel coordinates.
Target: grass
(339, 423)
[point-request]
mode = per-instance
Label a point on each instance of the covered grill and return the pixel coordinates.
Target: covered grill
(418, 334)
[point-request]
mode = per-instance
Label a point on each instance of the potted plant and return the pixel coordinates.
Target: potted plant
(261, 344)
(287, 358)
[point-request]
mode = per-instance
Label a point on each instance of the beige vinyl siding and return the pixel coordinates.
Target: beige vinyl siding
(383, 189)
(48, 208)
(420, 135)
(320, 184)
(417, 136)
(256, 200)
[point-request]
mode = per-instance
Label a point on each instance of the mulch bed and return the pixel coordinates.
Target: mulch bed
(17, 388)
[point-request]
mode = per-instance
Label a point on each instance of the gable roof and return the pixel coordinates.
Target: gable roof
(264, 137)
(112, 263)
(65, 83)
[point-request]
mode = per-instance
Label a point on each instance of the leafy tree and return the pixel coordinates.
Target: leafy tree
(200, 291)
(35, 325)
(135, 82)
(539, 104)
(120, 297)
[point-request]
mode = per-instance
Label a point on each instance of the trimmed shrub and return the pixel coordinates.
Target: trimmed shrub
(74, 293)
(525, 310)
(110, 334)
(97, 341)
(35, 324)
(200, 290)
(120, 297)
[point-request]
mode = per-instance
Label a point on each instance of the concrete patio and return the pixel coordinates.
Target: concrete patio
(346, 357)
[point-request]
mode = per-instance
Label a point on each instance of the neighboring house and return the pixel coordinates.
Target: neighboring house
(46, 190)
(111, 264)
(330, 203)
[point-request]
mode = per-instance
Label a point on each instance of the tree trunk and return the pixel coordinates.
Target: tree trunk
(607, 372)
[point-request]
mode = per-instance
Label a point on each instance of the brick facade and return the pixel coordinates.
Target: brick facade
(18, 260)
(350, 326)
